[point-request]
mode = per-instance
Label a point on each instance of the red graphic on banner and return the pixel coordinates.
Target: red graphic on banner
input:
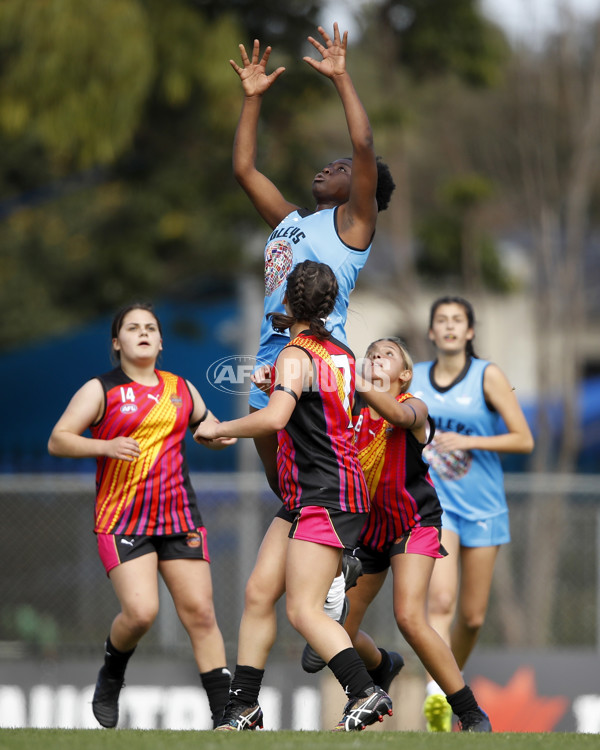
(517, 707)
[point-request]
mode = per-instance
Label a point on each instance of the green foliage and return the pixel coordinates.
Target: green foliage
(439, 238)
(143, 89)
(437, 37)
(466, 192)
(284, 25)
(116, 125)
(74, 75)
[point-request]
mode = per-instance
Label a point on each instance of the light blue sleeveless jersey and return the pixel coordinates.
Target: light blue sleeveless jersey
(295, 239)
(469, 483)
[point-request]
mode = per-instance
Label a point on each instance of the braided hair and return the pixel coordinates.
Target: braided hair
(469, 312)
(310, 295)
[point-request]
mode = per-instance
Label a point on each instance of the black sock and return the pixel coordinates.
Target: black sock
(351, 673)
(462, 701)
(382, 670)
(216, 683)
(245, 685)
(115, 661)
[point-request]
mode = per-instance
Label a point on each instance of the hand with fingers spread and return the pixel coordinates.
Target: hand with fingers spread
(333, 53)
(253, 75)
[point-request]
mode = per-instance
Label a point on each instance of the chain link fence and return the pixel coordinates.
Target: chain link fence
(55, 597)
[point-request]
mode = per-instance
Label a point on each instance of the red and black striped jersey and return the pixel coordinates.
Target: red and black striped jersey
(401, 491)
(151, 495)
(317, 460)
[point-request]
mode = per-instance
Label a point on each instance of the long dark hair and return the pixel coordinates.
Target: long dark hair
(117, 324)
(469, 312)
(311, 293)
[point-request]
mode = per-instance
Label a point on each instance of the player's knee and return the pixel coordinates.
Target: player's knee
(201, 617)
(258, 594)
(441, 604)
(409, 623)
(295, 615)
(141, 618)
(473, 621)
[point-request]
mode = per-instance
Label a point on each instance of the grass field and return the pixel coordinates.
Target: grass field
(130, 739)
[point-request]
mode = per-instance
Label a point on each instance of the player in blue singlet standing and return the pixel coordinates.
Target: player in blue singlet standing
(467, 397)
(338, 231)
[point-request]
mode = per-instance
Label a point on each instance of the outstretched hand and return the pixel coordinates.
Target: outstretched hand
(253, 75)
(333, 52)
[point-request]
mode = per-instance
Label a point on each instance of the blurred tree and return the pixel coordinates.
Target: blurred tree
(557, 101)
(116, 125)
(435, 37)
(453, 232)
(283, 25)
(541, 136)
(79, 98)
(417, 58)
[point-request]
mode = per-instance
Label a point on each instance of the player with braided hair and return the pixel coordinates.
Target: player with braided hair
(338, 231)
(349, 193)
(325, 504)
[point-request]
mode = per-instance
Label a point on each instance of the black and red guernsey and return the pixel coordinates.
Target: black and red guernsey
(317, 460)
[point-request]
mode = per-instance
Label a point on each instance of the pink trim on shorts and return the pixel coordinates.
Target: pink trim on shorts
(314, 525)
(191, 541)
(424, 540)
(107, 549)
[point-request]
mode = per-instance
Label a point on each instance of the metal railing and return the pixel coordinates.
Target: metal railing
(55, 596)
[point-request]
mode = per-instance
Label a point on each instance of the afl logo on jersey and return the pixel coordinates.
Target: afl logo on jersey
(128, 408)
(279, 258)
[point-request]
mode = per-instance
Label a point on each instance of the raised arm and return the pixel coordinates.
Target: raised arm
(265, 196)
(409, 415)
(356, 218)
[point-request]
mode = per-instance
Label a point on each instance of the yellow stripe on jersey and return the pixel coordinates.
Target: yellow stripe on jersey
(372, 456)
(372, 459)
(314, 346)
(150, 435)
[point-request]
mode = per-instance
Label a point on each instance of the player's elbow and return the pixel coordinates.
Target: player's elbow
(243, 171)
(364, 143)
(529, 444)
(526, 444)
(53, 448)
(277, 422)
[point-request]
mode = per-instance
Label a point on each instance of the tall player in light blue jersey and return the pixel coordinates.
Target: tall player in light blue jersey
(348, 192)
(467, 397)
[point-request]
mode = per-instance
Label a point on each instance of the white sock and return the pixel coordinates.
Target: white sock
(432, 688)
(335, 597)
